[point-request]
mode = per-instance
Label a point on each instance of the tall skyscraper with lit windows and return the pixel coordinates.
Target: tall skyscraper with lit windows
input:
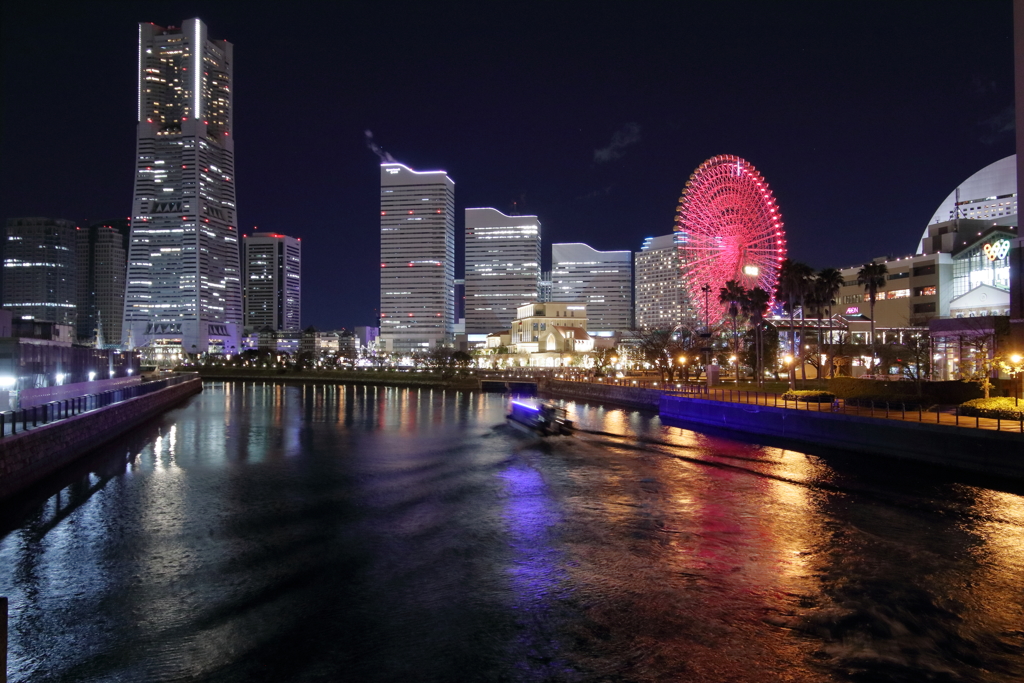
(417, 259)
(659, 294)
(502, 268)
(272, 272)
(603, 280)
(184, 284)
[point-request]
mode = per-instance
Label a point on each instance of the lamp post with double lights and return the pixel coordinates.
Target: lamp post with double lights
(706, 288)
(1016, 366)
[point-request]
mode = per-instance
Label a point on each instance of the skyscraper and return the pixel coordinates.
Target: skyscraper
(184, 284)
(502, 268)
(417, 258)
(272, 272)
(603, 280)
(102, 265)
(661, 301)
(39, 279)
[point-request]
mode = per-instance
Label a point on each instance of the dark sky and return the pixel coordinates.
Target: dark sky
(862, 116)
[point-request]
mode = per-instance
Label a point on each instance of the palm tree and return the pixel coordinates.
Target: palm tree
(754, 305)
(794, 279)
(828, 283)
(872, 277)
(733, 294)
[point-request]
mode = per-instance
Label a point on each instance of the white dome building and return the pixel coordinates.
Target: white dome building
(988, 195)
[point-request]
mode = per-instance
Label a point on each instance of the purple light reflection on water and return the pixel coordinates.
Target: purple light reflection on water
(536, 574)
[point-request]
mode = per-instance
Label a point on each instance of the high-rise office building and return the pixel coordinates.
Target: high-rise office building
(544, 287)
(39, 279)
(417, 258)
(603, 280)
(659, 294)
(502, 268)
(184, 284)
(272, 273)
(102, 266)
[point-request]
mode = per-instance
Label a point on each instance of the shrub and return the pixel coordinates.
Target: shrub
(946, 393)
(895, 401)
(809, 396)
(1002, 407)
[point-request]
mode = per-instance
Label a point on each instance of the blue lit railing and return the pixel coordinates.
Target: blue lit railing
(15, 421)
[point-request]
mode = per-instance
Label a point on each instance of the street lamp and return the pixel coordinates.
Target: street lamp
(1017, 367)
(735, 369)
(789, 362)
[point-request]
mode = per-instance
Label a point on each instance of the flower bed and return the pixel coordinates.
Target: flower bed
(1002, 407)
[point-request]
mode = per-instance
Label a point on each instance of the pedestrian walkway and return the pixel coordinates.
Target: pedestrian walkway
(945, 415)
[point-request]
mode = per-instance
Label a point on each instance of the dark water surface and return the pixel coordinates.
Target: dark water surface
(320, 533)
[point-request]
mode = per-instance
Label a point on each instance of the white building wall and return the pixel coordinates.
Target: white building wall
(502, 267)
(659, 295)
(417, 258)
(602, 280)
(184, 280)
(272, 272)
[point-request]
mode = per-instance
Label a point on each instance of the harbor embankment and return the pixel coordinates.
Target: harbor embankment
(28, 456)
(397, 378)
(628, 397)
(966, 448)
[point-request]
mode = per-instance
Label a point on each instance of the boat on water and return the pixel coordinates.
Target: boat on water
(539, 418)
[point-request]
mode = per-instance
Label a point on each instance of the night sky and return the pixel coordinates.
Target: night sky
(861, 116)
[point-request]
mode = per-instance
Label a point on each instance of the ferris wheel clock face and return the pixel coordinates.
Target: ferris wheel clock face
(728, 228)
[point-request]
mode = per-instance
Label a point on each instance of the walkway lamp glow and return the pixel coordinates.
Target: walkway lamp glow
(92, 375)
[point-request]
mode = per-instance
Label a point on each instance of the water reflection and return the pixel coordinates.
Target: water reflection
(310, 532)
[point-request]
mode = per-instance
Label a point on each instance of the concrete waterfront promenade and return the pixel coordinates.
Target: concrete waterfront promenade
(28, 456)
(941, 438)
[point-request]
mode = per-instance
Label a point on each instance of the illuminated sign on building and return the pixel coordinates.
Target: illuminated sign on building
(997, 250)
(853, 310)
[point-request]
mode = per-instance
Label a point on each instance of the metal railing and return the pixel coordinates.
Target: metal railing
(912, 412)
(24, 419)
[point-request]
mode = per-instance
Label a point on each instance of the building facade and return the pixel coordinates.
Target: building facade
(417, 259)
(272, 273)
(502, 267)
(546, 332)
(40, 269)
(659, 295)
(602, 280)
(102, 257)
(184, 281)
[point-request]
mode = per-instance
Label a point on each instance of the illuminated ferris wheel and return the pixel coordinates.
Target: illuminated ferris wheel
(728, 228)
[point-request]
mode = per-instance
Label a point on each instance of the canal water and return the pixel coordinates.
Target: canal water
(267, 532)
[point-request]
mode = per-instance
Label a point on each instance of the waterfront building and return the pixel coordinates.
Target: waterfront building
(40, 278)
(184, 282)
(417, 259)
(660, 297)
(601, 280)
(502, 267)
(544, 287)
(102, 264)
(272, 273)
(366, 336)
(547, 334)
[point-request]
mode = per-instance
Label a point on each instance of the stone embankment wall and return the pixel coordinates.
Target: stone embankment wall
(965, 448)
(27, 457)
(630, 397)
(411, 380)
